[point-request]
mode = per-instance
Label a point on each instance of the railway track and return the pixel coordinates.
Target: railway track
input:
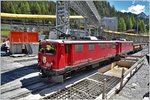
(13, 86)
(23, 88)
(16, 75)
(35, 88)
(10, 65)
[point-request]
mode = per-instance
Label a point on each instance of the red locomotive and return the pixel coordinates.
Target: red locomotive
(57, 58)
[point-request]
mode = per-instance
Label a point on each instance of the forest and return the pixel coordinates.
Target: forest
(126, 21)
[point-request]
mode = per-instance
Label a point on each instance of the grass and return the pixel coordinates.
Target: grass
(5, 33)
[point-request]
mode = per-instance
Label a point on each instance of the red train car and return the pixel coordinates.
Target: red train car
(58, 57)
(124, 47)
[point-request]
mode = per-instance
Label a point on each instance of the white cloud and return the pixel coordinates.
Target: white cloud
(124, 11)
(135, 9)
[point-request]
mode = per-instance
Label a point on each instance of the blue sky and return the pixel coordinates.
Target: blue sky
(134, 6)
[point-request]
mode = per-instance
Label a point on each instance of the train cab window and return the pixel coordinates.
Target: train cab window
(67, 46)
(50, 49)
(41, 48)
(78, 47)
(91, 47)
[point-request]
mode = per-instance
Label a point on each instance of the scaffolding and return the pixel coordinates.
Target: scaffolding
(62, 17)
(85, 8)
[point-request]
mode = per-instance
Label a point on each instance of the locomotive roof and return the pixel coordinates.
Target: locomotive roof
(82, 41)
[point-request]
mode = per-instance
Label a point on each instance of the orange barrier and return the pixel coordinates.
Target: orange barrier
(23, 37)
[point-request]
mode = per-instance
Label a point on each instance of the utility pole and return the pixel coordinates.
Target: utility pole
(137, 26)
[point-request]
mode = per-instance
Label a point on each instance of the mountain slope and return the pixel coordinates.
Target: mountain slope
(143, 15)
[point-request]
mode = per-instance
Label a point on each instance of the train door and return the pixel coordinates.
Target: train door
(68, 54)
(118, 48)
